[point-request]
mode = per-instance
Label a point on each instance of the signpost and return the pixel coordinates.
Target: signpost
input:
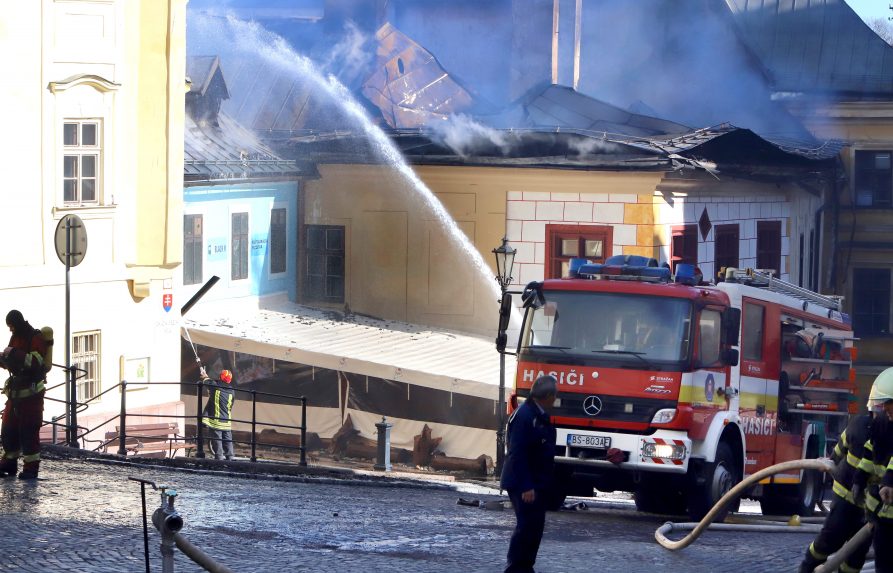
(71, 246)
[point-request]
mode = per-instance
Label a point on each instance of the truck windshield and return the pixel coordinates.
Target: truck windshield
(628, 328)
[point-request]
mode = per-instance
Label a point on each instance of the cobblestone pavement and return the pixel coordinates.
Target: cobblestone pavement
(85, 516)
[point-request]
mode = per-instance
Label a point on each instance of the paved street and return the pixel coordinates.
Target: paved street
(85, 516)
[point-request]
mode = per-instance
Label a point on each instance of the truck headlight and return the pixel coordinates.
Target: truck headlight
(663, 451)
(664, 416)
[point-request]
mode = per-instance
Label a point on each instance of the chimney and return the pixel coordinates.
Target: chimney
(567, 27)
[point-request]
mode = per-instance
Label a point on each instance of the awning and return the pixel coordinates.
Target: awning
(385, 349)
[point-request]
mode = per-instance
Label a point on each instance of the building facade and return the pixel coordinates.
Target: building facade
(98, 90)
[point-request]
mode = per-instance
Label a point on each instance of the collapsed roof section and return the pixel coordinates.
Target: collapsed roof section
(409, 86)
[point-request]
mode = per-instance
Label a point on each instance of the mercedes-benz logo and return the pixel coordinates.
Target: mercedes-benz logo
(592, 405)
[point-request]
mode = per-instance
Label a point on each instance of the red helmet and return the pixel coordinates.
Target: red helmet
(226, 376)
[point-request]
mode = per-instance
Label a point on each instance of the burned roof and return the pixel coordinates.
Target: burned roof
(229, 151)
(815, 46)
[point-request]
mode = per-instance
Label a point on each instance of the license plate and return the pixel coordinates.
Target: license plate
(581, 441)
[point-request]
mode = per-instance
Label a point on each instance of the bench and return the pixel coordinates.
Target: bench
(46, 434)
(146, 440)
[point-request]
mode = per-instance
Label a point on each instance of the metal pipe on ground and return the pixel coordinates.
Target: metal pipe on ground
(733, 494)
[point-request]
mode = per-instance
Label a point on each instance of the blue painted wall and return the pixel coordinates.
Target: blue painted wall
(216, 204)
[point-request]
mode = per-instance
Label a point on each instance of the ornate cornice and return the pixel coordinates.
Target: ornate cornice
(94, 81)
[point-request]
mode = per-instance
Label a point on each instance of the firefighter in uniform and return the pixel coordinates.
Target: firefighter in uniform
(24, 390)
(218, 414)
(877, 472)
(527, 474)
(847, 514)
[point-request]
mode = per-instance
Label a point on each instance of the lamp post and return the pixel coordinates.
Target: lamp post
(505, 260)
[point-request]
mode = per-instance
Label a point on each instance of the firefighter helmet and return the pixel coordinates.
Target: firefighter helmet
(881, 389)
(226, 376)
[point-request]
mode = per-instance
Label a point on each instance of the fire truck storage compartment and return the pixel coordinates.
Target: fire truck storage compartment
(816, 381)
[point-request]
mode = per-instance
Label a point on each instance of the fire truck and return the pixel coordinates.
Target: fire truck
(675, 390)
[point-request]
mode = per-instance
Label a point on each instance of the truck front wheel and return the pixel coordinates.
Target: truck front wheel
(715, 481)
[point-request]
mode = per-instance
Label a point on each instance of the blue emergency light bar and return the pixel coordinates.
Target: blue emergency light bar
(621, 267)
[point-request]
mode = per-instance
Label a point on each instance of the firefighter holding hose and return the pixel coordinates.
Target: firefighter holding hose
(877, 471)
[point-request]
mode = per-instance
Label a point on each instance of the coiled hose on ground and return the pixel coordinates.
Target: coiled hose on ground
(729, 497)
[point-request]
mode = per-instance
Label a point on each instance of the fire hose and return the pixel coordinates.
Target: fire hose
(732, 495)
(198, 556)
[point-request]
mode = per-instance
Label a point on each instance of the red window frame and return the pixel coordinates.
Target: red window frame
(726, 247)
(556, 233)
(769, 246)
(684, 245)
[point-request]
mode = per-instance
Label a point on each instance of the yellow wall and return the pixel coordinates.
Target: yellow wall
(866, 125)
(401, 263)
(161, 118)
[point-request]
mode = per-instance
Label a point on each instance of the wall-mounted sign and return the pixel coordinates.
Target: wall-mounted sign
(217, 249)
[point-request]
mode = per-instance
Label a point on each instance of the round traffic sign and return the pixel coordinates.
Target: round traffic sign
(71, 225)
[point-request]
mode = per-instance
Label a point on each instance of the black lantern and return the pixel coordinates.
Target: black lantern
(505, 260)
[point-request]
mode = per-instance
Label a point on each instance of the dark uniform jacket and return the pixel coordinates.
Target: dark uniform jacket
(218, 410)
(531, 450)
(848, 453)
(26, 361)
(877, 465)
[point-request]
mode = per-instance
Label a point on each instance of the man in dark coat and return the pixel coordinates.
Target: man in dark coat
(527, 474)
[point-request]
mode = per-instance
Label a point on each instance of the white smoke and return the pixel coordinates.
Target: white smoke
(466, 137)
(590, 146)
(351, 55)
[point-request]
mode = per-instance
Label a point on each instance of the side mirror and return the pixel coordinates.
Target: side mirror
(505, 312)
(731, 324)
(533, 297)
(730, 356)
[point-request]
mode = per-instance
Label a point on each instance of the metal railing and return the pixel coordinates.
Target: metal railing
(198, 439)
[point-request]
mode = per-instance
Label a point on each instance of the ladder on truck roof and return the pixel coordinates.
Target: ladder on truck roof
(763, 279)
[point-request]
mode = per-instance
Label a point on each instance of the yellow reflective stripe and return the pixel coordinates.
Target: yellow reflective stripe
(816, 554)
(853, 460)
(841, 490)
(31, 458)
(847, 569)
(11, 455)
(866, 465)
(37, 356)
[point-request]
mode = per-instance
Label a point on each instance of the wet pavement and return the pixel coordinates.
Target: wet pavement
(85, 516)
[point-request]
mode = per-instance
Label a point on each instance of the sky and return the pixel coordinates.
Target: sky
(869, 10)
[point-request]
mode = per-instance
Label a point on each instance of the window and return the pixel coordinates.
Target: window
(752, 332)
(85, 355)
(769, 246)
(726, 246)
(874, 179)
(871, 301)
(240, 246)
(710, 332)
(192, 249)
(565, 242)
(80, 162)
(324, 276)
(684, 246)
(277, 241)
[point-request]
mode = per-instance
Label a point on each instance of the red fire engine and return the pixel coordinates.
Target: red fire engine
(675, 390)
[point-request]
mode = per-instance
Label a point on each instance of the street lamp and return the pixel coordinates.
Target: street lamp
(505, 260)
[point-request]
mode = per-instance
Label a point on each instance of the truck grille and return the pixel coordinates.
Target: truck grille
(614, 408)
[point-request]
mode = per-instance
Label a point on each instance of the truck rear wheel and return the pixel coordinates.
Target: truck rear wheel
(718, 478)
